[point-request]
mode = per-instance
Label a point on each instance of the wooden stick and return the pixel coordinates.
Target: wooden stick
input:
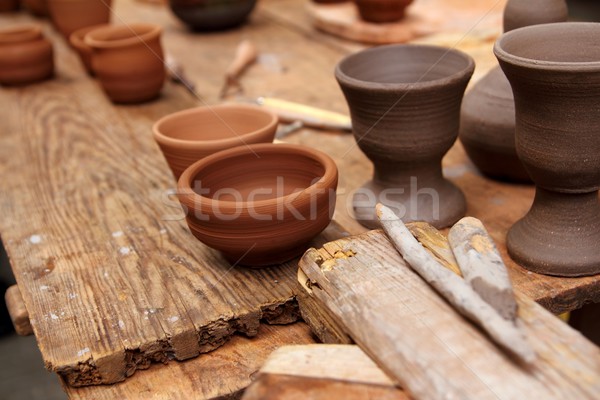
(18, 312)
(245, 55)
(482, 266)
(454, 289)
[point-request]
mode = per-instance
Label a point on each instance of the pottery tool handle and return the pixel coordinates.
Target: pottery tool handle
(312, 117)
(245, 55)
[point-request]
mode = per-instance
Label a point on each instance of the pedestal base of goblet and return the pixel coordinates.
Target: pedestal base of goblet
(441, 204)
(560, 235)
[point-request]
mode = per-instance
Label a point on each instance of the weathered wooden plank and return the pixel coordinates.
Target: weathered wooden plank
(223, 373)
(321, 372)
(429, 349)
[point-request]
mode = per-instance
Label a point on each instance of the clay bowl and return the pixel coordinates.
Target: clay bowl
(128, 61)
(260, 204)
(187, 136)
(380, 11)
(26, 56)
(36, 7)
(84, 51)
(71, 15)
(212, 15)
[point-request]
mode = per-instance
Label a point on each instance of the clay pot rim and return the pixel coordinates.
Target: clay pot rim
(525, 62)
(20, 33)
(76, 38)
(194, 200)
(457, 76)
(148, 32)
(200, 144)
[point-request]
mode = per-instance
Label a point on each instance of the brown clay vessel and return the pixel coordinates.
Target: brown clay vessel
(259, 204)
(9, 5)
(36, 7)
(128, 61)
(190, 135)
(487, 125)
(554, 72)
(26, 56)
(404, 103)
(380, 11)
(84, 51)
(71, 15)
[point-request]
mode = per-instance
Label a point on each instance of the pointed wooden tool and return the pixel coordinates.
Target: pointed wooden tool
(482, 266)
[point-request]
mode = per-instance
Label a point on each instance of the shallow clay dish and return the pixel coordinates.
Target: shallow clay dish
(26, 56)
(71, 15)
(212, 15)
(84, 51)
(554, 72)
(260, 204)
(187, 136)
(380, 11)
(128, 61)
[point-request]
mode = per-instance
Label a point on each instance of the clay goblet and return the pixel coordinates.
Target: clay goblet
(128, 61)
(71, 15)
(260, 204)
(189, 135)
(26, 56)
(554, 72)
(404, 103)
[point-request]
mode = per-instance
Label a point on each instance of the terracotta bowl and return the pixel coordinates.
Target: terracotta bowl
(260, 204)
(84, 51)
(380, 11)
(212, 15)
(26, 56)
(71, 15)
(187, 136)
(128, 61)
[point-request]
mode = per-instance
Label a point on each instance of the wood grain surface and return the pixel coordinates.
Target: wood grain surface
(426, 346)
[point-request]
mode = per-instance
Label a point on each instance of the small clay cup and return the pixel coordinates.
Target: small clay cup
(128, 61)
(260, 204)
(554, 72)
(212, 15)
(404, 103)
(381, 11)
(36, 7)
(26, 56)
(84, 51)
(71, 15)
(190, 135)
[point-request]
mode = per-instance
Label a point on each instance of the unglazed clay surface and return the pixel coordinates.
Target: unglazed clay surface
(260, 204)
(521, 13)
(84, 51)
(380, 11)
(71, 15)
(26, 56)
(128, 61)
(212, 15)
(404, 102)
(554, 71)
(187, 136)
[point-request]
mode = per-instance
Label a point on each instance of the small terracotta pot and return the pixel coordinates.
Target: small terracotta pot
(71, 15)
(128, 61)
(380, 11)
(212, 15)
(84, 51)
(554, 72)
(36, 7)
(190, 135)
(404, 103)
(26, 56)
(9, 5)
(259, 204)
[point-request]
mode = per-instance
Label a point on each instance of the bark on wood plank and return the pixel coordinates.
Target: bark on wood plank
(482, 266)
(17, 311)
(431, 351)
(321, 372)
(223, 373)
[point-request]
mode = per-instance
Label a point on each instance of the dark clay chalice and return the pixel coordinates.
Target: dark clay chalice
(404, 103)
(554, 72)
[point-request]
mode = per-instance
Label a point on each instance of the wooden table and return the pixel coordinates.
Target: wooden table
(296, 64)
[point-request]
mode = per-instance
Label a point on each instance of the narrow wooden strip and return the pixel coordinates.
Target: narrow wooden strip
(18, 311)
